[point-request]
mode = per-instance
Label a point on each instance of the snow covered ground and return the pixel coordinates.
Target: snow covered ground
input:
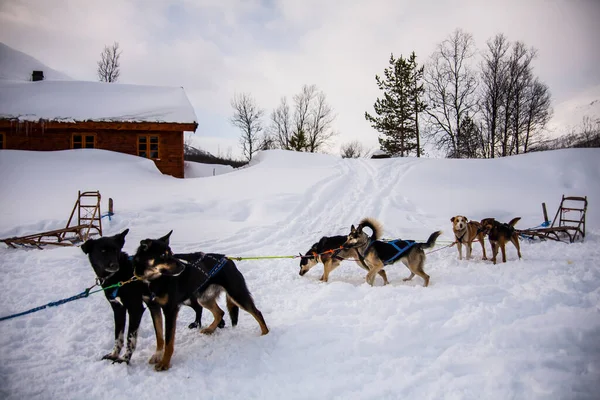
(527, 329)
(199, 170)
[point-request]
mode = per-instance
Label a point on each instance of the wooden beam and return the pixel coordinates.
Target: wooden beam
(96, 125)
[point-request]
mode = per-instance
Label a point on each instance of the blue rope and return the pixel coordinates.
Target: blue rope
(544, 224)
(108, 214)
(81, 295)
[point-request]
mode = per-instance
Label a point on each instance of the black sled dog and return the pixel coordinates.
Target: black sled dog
(112, 266)
(174, 279)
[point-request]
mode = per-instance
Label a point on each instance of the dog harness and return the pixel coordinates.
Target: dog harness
(460, 239)
(401, 246)
(196, 264)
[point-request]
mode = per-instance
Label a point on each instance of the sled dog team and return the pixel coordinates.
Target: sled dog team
(166, 281)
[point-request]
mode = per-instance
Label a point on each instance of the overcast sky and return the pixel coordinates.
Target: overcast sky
(270, 48)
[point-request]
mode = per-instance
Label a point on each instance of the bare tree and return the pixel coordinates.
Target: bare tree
(267, 142)
(322, 117)
(493, 77)
(109, 66)
(451, 85)
(247, 117)
(281, 125)
(308, 127)
(590, 132)
(519, 76)
(352, 149)
(302, 102)
(538, 111)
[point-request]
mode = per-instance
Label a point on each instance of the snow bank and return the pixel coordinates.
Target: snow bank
(526, 329)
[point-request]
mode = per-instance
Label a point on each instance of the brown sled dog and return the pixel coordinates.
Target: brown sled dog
(499, 234)
(330, 252)
(465, 232)
(377, 254)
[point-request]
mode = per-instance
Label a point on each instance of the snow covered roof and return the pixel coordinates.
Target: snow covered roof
(77, 101)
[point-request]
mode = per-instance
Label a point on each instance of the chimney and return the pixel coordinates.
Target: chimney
(37, 76)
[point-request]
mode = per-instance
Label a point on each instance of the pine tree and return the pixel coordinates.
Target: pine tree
(396, 112)
(298, 141)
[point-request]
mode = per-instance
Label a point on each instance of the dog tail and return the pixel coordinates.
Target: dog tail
(431, 241)
(374, 225)
(514, 221)
(233, 309)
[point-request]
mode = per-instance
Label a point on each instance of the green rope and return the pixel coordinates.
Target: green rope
(259, 258)
(438, 243)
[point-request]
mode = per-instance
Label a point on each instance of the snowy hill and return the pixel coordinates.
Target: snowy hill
(18, 66)
(569, 115)
(527, 329)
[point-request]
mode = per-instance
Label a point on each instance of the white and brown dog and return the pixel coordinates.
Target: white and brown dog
(465, 232)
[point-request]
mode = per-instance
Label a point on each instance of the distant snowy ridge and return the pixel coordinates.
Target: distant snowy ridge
(569, 115)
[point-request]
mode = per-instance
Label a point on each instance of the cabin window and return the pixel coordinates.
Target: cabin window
(2, 142)
(148, 146)
(84, 141)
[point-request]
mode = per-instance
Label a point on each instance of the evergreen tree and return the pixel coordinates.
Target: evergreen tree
(397, 110)
(298, 141)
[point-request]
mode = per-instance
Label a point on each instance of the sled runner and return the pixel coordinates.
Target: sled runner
(569, 221)
(87, 223)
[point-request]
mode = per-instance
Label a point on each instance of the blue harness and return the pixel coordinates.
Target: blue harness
(220, 259)
(400, 245)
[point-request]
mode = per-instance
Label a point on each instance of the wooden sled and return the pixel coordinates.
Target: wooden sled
(568, 223)
(89, 222)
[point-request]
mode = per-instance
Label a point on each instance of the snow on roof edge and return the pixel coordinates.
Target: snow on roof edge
(83, 101)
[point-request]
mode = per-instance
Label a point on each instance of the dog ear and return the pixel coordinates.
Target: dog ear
(87, 246)
(145, 244)
(452, 219)
(321, 243)
(121, 237)
(165, 238)
(466, 219)
(352, 229)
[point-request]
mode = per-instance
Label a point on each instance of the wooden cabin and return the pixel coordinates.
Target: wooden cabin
(380, 154)
(146, 121)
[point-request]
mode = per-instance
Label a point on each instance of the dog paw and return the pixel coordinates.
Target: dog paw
(110, 356)
(121, 360)
(222, 324)
(194, 325)
(161, 366)
(156, 357)
(207, 331)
